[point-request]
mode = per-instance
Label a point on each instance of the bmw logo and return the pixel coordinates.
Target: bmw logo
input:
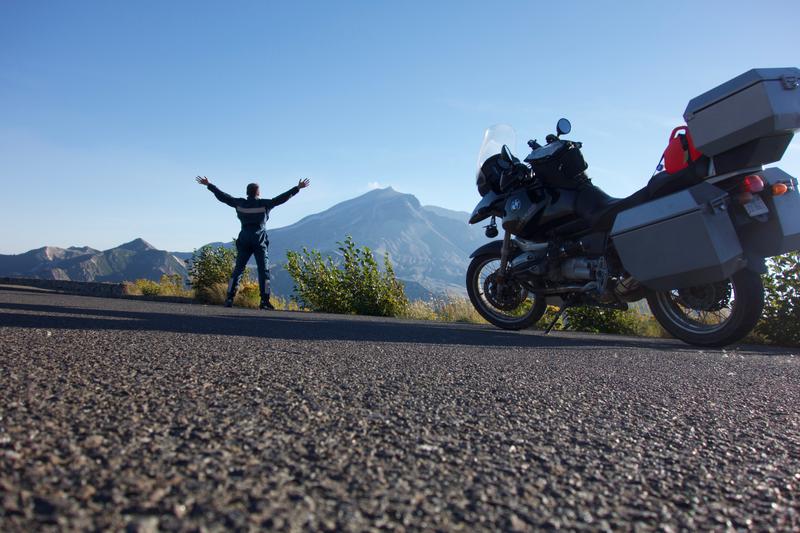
(515, 204)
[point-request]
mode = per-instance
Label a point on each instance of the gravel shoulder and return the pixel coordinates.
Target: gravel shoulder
(122, 414)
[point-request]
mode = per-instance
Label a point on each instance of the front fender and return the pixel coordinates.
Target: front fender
(488, 248)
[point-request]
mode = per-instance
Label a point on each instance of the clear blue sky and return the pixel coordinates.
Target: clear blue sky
(109, 109)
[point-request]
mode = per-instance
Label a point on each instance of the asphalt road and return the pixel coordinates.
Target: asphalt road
(122, 414)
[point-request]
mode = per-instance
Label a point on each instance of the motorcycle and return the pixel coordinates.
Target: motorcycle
(693, 242)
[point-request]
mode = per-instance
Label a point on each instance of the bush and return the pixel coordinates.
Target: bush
(350, 284)
(601, 320)
(210, 266)
(210, 270)
(780, 322)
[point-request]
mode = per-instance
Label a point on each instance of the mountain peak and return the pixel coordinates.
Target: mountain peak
(386, 192)
(82, 249)
(137, 245)
(49, 253)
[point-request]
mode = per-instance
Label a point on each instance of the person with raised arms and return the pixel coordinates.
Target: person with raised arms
(253, 212)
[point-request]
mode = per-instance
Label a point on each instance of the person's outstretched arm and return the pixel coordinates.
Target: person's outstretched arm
(282, 198)
(223, 197)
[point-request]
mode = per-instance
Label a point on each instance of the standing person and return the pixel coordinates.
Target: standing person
(253, 212)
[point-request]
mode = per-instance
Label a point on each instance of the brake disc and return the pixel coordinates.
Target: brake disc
(511, 296)
(711, 297)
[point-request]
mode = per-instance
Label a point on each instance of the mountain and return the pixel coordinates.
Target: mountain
(129, 261)
(429, 247)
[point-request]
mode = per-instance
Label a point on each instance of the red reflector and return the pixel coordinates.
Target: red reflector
(753, 183)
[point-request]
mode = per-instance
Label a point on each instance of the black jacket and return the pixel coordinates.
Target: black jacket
(252, 212)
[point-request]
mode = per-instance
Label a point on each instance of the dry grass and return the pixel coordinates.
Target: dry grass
(459, 309)
(167, 286)
(450, 308)
(248, 296)
(213, 295)
(446, 309)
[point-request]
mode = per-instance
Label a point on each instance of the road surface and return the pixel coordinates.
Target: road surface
(120, 414)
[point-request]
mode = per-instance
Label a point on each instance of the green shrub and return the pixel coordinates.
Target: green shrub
(352, 283)
(210, 270)
(780, 322)
(210, 266)
(601, 320)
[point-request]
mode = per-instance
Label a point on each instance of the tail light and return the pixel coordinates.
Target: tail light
(752, 183)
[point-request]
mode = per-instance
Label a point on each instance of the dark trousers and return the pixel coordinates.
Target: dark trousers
(251, 242)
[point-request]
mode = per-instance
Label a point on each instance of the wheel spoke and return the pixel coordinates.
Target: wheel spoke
(701, 309)
(488, 300)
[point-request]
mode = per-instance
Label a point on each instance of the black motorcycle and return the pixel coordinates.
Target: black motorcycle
(693, 242)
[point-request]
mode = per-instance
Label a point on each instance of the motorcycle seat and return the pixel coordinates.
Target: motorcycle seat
(604, 208)
(664, 183)
(601, 209)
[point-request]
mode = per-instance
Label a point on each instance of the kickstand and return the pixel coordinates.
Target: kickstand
(563, 308)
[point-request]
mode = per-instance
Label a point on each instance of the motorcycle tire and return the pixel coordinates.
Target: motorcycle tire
(483, 307)
(742, 317)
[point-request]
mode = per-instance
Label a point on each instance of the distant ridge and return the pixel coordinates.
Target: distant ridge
(129, 261)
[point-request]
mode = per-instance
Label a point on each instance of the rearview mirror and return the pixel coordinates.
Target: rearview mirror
(563, 127)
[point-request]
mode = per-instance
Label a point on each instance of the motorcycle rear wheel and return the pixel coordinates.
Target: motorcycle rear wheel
(510, 312)
(711, 315)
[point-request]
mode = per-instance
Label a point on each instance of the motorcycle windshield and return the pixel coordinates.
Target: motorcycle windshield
(493, 140)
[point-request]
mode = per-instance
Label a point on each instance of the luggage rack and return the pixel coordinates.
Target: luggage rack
(722, 177)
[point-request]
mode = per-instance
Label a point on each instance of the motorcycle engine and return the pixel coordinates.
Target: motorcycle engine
(580, 268)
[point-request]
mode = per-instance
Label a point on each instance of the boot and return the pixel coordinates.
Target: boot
(266, 304)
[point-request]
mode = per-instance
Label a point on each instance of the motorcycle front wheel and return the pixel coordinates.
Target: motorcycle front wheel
(508, 305)
(712, 315)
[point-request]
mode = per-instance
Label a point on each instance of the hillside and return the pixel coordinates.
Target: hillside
(427, 245)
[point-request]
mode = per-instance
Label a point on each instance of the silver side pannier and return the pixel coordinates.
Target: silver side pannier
(748, 121)
(681, 240)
